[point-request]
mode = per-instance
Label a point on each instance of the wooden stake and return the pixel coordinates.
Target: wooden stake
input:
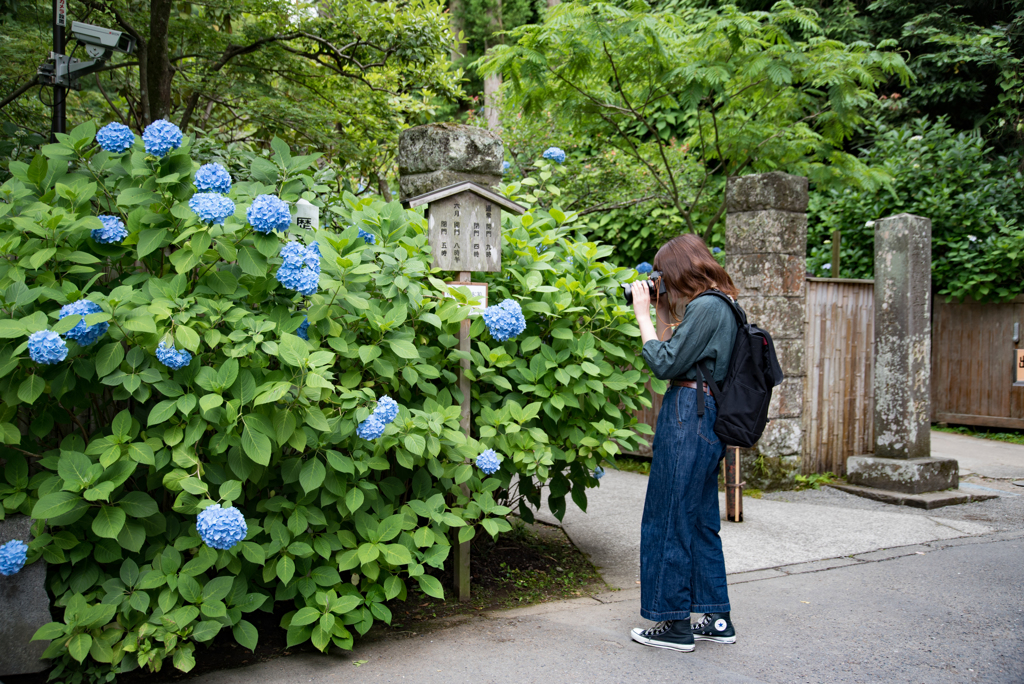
(733, 486)
(462, 550)
(837, 238)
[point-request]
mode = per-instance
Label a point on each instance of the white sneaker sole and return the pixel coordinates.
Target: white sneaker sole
(638, 637)
(717, 640)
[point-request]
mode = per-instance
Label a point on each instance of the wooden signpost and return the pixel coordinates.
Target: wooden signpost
(464, 232)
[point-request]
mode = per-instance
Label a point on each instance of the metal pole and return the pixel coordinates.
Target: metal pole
(58, 122)
(733, 486)
(462, 550)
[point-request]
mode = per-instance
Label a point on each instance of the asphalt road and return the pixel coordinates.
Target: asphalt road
(947, 611)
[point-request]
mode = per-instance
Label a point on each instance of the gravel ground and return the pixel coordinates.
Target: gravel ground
(1002, 514)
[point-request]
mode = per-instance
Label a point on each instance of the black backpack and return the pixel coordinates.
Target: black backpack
(753, 371)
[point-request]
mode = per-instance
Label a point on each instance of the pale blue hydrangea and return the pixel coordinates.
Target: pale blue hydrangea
(115, 137)
(368, 238)
(213, 178)
(113, 230)
(555, 154)
(161, 137)
(827, 267)
(13, 555)
(174, 359)
(488, 461)
(268, 213)
(83, 334)
(716, 250)
(211, 208)
(644, 267)
(569, 260)
(371, 428)
(221, 528)
(387, 409)
(505, 166)
(303, 330)
(505, 321)
(47, 347)
(598, 472)
(301, 268)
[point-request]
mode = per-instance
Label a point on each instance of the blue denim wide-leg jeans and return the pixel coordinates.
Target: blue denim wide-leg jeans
(682, 568)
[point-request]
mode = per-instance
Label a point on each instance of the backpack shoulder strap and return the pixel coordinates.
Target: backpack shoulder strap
(741, 317)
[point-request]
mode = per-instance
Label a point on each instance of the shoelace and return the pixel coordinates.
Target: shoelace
(659, 629)
(704, 622)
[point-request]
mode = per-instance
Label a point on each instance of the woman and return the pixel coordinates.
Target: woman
(681, 564)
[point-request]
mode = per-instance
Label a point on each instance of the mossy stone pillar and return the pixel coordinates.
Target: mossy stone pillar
(765, 248)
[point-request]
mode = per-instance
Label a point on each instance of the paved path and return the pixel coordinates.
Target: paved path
(945, 612)
(985, 457)
(773, 533)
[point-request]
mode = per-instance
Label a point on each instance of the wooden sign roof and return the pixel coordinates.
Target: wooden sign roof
(465, 186)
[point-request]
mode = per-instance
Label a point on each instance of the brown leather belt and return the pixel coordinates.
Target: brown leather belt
(692, 384)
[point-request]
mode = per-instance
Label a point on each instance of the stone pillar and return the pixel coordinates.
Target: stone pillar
(436, 155)
(24, 607)
(765, 250)
(902, 460)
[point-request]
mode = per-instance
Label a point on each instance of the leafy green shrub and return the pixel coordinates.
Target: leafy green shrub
(971, 196)
(115, 454)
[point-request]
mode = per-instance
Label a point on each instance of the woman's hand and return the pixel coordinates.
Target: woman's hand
(642, 300)
(642, 309)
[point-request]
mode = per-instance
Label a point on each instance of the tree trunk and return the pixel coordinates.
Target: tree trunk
(552, 3)
(158, 63)
(458, 47)
(492, 83)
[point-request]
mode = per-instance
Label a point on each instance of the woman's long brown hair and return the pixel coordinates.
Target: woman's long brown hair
(689, 269)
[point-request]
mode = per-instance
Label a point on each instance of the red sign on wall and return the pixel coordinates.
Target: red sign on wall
(62, 12)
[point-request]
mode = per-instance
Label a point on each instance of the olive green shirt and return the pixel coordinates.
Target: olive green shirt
(706, 334)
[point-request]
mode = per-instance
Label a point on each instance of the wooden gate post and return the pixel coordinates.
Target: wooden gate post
(733, 486)
(462, 549)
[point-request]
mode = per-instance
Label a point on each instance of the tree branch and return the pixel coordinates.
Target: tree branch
(18, 93)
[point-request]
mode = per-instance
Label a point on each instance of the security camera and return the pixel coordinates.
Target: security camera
(99, 42)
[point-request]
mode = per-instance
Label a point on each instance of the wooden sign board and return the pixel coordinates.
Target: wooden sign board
(465, 233)
(464, 226)
(1019, 364)
(477, 291)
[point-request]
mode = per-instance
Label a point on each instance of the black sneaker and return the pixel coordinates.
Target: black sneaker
(715, 627)
(673, 634)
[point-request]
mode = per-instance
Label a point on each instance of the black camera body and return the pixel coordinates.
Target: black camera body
(655, 283)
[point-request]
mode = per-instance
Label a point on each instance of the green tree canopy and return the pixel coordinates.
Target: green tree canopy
(749, 91)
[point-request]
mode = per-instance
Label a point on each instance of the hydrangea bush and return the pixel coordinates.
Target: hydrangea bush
(203, 457)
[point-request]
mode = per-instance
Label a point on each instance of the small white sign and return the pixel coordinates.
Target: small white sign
(62, 12)
(307, 216)
(477, 291)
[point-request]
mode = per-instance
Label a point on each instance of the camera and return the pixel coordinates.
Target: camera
(655, 281)
(100, 41)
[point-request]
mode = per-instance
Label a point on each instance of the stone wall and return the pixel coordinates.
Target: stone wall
(765, 248)
(24, 607)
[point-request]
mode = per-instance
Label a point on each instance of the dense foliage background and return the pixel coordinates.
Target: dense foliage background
(115, 453)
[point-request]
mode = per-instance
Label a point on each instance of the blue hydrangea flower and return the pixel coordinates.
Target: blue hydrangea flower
(301, 268)
(387, 409)
(371, 428)
(568, 260)
(303, 330)
(221, 528)
(268, 213)
(716, 250)
(12, 557)
(113, 230)
(161, 137)
(47, 347)
(211, 208)
(505, 166)
(644, 267)
(115, 137)
(213, 178)
(555, 154)
(174, 359)
(598, 472)
(83, 334)
(488, 461)
(505, 321)
(368, 238)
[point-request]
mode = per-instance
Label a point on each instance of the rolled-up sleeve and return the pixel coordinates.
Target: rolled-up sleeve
(676, 355)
